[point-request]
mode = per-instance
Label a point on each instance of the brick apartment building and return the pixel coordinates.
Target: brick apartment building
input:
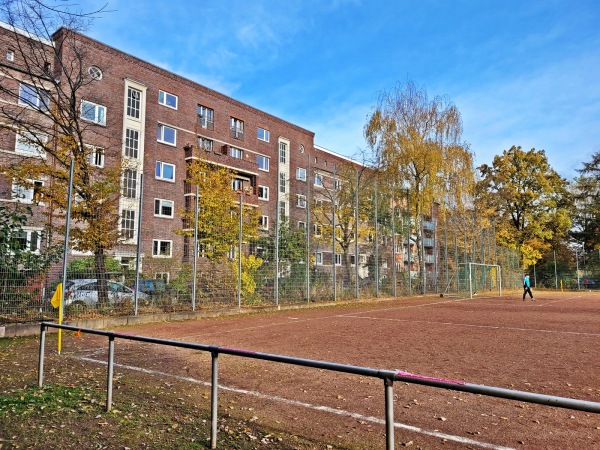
(153, 122)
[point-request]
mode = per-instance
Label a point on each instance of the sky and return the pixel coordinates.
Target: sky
(520, 73)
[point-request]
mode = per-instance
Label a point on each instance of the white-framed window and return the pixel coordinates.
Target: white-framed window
(263, 222)
(337, 184)
(282, 183)
(96, 156)
(318, 229)
(263, 135)
(28, 239)
(237, 184)
(166, 134)
(319, 259)
(362, 259)
(206, 117)
(166, 99)
(128, 224)
(93, 112)
(263, 192)
(134, 102)
(301, 225)
(300, 173)
(10, 55)
(132, 143)
(95, 73)
(32, 194)
(28, 144)
(282, 210)
(319, 202)
(32, 96)
(301, 201)
(338, 259)
(235, 152)
(283, 150)
(205, 144)
(162, 276)
(163, 208)
(161, 248)
(236, 128)
(318, 180)
(129, 183)
(165, 171)
(263, 162)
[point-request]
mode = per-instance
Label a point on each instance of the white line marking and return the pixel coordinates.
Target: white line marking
(340, 412)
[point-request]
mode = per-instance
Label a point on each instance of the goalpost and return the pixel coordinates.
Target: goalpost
(483, 277)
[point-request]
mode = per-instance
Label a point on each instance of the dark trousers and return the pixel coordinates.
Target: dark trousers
(527, 289)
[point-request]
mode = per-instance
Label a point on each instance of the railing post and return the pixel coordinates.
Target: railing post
(389, 413)
(109, 384)
(214, 386)
(41, 358)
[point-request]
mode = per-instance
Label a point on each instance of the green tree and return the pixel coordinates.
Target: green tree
(23, 260)
(50, 76)
(586, 193)
(528, 199)
(419, 147)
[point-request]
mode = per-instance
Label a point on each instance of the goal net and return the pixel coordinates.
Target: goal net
(477, 278)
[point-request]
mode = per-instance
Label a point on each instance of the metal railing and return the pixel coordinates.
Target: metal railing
(388, 377)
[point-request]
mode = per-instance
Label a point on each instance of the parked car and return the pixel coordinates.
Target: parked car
(84, 292)
(151, 287)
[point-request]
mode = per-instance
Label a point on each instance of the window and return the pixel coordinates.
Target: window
(318, 180)
(319, 202)
(353, 260)
(282, 211)
(338, 259)
(130, 183)
(164, 276)
(96, 156)
(282, 152)
(163, 208)
(301, 225)
(237, 184)
(282, 183)
(235, 152)
(337, 184)
(319, 258)
(263, 193)
(263, 135)
(10, 55)
(128, 224)
(206, 117)
(33, 96)
(132, 143)
(95, 73)
(31, 194)
(28, 144)
(93, 112)
(27, 240)
(236, 128)
(317, 229)
(300, 174)
(161, 249)
(165, 171)
(263, 222)
(166, 99)
(166, 134)
(301, 203)
(134, 101)
(206, 144)
(263, 162)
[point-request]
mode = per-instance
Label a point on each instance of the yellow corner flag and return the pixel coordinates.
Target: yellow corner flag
(57, 297)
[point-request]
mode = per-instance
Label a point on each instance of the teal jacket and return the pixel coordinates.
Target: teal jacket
(526, 282)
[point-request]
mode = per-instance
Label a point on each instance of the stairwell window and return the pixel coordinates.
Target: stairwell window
(130, 183)
(134, 100)
(132, 143)
(127, 224)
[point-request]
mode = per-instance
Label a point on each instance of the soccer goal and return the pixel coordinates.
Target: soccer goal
(482, 278)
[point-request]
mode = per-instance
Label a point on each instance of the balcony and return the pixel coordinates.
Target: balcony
(428, 242)
(428, 225)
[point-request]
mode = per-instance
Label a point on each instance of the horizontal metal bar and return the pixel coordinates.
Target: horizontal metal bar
(455, 385)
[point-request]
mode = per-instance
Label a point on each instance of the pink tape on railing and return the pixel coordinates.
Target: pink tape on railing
(422, 377)
(240, 350)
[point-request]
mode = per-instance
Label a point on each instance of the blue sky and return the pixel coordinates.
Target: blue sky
(521, 73)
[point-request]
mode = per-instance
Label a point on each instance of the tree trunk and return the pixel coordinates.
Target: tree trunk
(101, 277)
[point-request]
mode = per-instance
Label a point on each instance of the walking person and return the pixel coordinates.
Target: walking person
(527, 288)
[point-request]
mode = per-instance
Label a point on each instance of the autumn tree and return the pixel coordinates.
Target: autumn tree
(419, 148)
(528, 199)
(43, 89)
(586, 194)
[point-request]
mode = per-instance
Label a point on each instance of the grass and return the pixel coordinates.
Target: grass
(69, 411)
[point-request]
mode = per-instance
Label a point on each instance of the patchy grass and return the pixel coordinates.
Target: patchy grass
(69, 411)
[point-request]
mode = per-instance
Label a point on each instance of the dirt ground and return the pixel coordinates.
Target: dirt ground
(549, 346)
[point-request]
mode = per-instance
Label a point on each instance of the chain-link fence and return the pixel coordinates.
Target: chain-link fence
(339, 240)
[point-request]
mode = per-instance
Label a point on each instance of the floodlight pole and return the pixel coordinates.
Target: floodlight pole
(239, 293)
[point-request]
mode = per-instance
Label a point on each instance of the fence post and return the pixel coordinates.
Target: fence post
(109, 384)
(389, 413)
(214, 386)
(41, 358)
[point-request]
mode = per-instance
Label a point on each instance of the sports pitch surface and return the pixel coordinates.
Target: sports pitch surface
(549, 346)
